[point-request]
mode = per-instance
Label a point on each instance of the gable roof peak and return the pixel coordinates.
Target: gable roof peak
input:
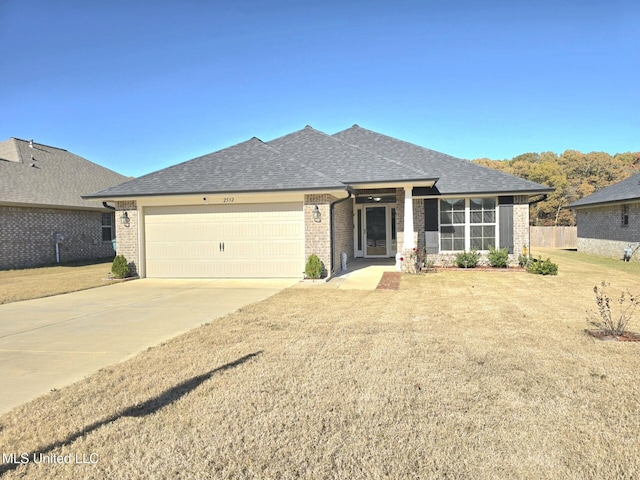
(9, 151)
(33, 144)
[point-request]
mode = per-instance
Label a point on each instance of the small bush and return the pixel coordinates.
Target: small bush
(313, 268)
(119, 268)
(498, 258)
(546, 267)
(523, 260)
(418, 260)
(606, 320)
(467, 259)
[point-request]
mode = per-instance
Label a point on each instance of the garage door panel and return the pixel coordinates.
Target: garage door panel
(260, 240)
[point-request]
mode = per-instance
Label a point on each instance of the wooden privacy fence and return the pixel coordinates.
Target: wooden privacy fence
(554, 237)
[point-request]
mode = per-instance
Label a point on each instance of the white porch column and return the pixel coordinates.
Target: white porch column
(408, 243)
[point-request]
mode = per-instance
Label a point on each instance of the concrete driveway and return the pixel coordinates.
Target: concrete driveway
(51, 342)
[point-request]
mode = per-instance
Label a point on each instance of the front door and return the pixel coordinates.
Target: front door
(375, 232)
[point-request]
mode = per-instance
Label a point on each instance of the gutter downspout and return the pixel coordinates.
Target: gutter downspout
(104, 204)
(331, 222)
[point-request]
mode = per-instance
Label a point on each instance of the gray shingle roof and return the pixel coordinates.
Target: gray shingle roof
(625, 190)
(312, 160)
(348, 163)
(50, 176)
(250, 166)
(456, 176)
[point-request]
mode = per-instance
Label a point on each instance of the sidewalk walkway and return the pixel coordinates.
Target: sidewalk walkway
(361, 274)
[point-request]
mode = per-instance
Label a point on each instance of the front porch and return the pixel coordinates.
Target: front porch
(386, 221)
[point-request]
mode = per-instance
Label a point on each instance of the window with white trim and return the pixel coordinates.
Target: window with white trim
(452, 224)
(107, 227)
(467, 223)
(482, 229)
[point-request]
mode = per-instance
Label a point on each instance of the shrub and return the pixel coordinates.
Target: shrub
(606, 320)
(546, 267)
(418, 260)
(467, 259)
(120, 268)
(498, 258)
(313, 268)
(523, 260)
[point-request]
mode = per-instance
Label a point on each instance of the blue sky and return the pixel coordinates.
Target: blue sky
(140, 85)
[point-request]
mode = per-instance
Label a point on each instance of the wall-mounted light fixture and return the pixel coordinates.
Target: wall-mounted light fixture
(124, 219)
(317, 216)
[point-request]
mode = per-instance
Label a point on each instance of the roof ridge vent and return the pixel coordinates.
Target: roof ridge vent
(31, 143)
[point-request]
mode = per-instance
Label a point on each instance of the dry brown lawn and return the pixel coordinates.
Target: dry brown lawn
(478, 375)
(31, 283)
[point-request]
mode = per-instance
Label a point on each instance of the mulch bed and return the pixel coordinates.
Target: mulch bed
(390, 281)
(625, 337)
(482, 268)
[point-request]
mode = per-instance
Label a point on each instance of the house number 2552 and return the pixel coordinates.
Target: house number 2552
(228, 200)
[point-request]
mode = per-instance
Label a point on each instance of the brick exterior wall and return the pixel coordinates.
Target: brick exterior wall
(342, 232)
(317, 235)
(520, 226)
(600, 230)
(27, 236)
(127, 237)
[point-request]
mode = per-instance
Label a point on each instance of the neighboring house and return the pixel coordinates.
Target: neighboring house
(609, 219)
(43, 218)
(259, 209)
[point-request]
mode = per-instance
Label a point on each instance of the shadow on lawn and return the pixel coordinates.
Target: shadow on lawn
(140, 410)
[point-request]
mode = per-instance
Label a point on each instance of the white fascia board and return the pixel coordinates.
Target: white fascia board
(401, 184)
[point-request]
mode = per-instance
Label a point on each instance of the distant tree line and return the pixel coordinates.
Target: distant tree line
(573, 174)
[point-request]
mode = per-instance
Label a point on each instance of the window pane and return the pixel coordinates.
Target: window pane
(489, 232)
(447, 231)
(475, 204)
(476, 217)
(476, 244)
(359, 230)
(106, 234)
(458, 204)
(458, 244)
(445, 217)
(458, 217)
(489, 216)
(489, 203)
(393, 224)
(476, 232)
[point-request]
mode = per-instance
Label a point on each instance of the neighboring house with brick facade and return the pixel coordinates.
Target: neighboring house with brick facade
(259, 209)
(609, 219)
(43, 218)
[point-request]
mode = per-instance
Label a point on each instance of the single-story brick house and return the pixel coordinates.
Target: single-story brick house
(43, 217)
(259, 209)
(609, 219)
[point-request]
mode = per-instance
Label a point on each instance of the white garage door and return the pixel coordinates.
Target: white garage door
(239, 240)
